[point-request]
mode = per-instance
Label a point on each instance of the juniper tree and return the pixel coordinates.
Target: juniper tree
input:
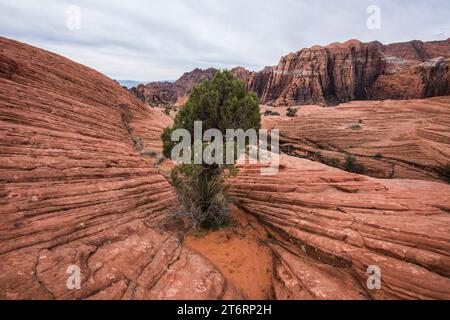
(221, 103)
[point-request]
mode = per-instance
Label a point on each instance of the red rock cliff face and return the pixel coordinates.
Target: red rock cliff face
(75, 191)
(330, 75)
(417, 50)
(186, 83)
(353, 71)
(411, 79)
(168, 93)
(325, 75)
(156, 93)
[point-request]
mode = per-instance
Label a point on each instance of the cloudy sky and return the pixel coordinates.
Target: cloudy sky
(159, 40)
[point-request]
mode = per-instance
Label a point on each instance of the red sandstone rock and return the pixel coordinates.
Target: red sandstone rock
(74, 189)
(186, 83)
(405, 79)
(330, 226)
(411, 138)
(169, 93)
(156, 93)
(354, 71)
(417, 50)
(338, 73)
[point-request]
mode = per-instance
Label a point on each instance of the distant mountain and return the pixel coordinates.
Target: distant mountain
(353, 70)
(129, 83)
(334, 74)
(172, 92)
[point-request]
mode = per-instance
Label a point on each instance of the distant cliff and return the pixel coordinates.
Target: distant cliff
(168, 93)
(330, 75)
(354, 71)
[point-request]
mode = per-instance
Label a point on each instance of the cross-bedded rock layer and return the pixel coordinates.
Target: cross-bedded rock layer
(391, 139)
(328, 226)
(74, 189)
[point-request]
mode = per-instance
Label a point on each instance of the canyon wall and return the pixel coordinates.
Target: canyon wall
(169, 93)
(326, 75)
(417, 50)
(354, 71)
(330, 75)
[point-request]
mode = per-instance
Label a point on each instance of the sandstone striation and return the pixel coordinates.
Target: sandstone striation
(354, 71)
(337, 73)
(327, 75)
(328, 226)
(406, 79)
(75, 190)
(417, 50)
(80, 185)
(391, 139)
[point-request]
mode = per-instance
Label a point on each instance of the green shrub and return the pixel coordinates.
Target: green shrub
(332, 162)
(167, 110)
(203, 194)
(138, 143)
(352, 165)
(356, 126)
(221, 103)
(378, 156)
(444, 172)
(270, 113)
(291, 112)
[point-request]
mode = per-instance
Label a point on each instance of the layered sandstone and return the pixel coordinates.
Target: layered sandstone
(329, 226)
(328, 75)
(417, 50)
(406, 79)
(354, 71)
(169, 93)
(75, 190)
(156, 93)
(391, 139)
(337, 73)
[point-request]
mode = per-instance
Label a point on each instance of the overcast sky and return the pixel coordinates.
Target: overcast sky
(160, 40)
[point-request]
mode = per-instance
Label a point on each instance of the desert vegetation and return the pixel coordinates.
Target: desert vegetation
(291, 112)
(268, 113)
(221, 103)
(444, 172)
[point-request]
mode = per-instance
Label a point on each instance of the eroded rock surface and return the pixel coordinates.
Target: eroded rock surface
(343, 72)
(391, 139)
(410, 79)
(329, 75)
(75, 190)
(329, 226)
(333, 74)
(172, 93)
(417, 50)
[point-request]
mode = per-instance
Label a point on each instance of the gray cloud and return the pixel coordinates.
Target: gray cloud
(161, 39)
